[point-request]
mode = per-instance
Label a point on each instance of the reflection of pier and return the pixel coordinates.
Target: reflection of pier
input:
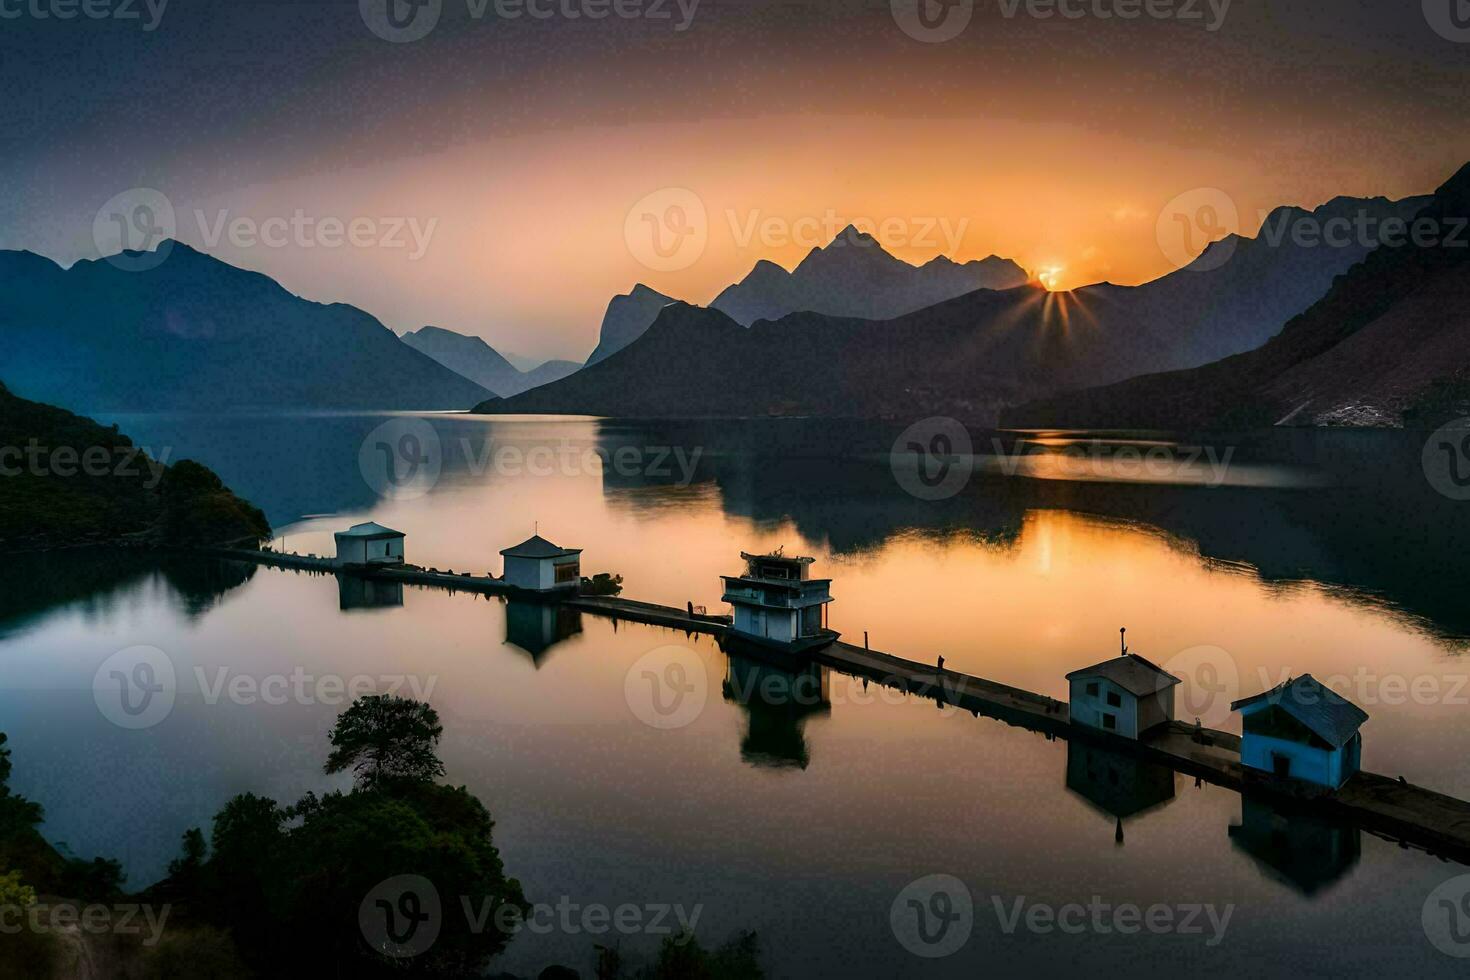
(1395, 809)
(777, 704)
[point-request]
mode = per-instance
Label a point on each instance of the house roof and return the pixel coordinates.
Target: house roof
(1326, 713)
(538, 547)
(369, 529)
(794, 559)
(1132, 673)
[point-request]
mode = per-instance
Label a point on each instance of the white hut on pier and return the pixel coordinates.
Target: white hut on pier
(537, 565)
(369, 543)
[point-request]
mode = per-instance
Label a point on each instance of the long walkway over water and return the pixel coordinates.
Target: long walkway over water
(1398, 810)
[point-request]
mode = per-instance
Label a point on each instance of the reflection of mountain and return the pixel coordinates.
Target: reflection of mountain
(32, 585)
(1378, 529)
(1118, 786)
(777, 704)
(1300, 850)
(536, 627)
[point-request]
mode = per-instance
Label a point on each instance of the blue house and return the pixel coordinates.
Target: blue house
(1302, 730)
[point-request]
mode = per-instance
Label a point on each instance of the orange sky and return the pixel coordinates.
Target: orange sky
(526, 249)
(520, 146)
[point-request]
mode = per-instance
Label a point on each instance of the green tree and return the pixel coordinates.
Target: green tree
(13, 892)
(382, 739)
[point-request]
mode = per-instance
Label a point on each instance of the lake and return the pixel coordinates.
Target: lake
(1235, 560)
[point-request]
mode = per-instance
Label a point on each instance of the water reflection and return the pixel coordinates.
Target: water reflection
(777, 704)
(536, 627)
(1301, 850)
(357, 593)
(95, 580)
(1118, 786)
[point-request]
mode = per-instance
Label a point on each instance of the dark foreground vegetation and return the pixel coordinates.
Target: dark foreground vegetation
(289, 890)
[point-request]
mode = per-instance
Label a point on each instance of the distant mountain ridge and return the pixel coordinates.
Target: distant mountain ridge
(1388, 345)
(628, 315)
(854, 276)
(196, 334)
(476, 360)
(969, 356)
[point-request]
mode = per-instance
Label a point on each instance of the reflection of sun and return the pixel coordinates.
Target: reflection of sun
(1050, 276)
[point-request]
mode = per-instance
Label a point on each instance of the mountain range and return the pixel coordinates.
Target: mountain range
(472, 358)
(972, 355)
(628, 316)
(853, 276)
(1389, 344)
(189, 332)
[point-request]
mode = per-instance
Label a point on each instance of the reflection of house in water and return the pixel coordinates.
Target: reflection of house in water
(1298, 849)
(354, 592)
(777, 703)
(536, 627)
(1118, 786)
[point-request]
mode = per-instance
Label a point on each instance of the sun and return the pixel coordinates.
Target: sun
(1050, 276)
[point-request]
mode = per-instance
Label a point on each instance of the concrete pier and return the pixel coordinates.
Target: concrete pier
(1398, 811)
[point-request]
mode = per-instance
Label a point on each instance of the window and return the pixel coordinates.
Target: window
(1110, 722)
(568, 572)
(1113, 700)
(1092, 689)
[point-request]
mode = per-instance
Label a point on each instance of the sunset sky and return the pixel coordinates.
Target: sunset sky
(518, 147)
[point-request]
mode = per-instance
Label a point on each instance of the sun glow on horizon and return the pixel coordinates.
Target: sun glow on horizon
(1050, 276)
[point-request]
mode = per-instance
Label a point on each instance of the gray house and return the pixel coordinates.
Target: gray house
(1126, 696)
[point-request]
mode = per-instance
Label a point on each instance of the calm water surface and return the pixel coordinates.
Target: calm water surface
(1321, 553)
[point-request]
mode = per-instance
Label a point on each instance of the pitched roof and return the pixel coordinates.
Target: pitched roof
(538, 547)
(1326, 713)
(1132, 673)
(369, 529)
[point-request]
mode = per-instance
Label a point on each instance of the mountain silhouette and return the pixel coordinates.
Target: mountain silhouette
(853, 276)
(476, 360)
(194, 333)
(1389, 344)
(969, 356)
(628, 316)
